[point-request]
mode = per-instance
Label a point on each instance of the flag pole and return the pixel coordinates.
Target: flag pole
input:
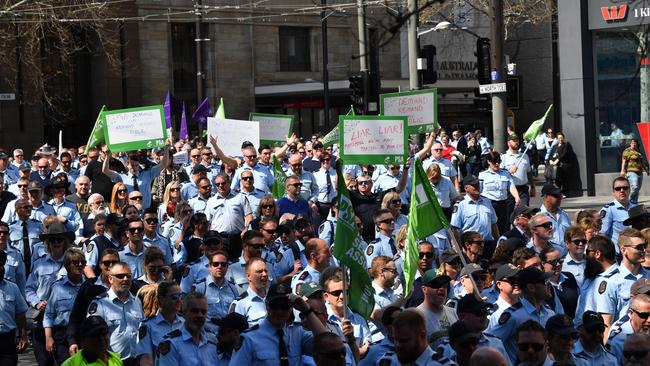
(456, 247)
(344, 278)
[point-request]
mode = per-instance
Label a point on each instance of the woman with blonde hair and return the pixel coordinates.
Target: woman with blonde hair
(443, 188)
(591, 226)
(170, 198)
(393, 202)
(267, 209)
(119, 198)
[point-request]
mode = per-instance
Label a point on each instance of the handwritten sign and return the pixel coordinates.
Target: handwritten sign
(231, 133)
(373, 139)
(274, 128)
(135, 128)
(420, 106)
(181, 158)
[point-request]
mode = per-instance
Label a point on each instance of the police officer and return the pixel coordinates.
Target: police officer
(251, 302)
(24, 236)
(252, 193)
(496, 183)
(506, 284)
(518, 165)
(229, 337)
(219, 292)
(318, 254)
(478, 274)
(14, 266)
(189, 345)
(151, 236)
(552, 200)
(167, 319)
(385, 243)
(327, 229)
(253, 245)
(636, 321)
(411, 345)
(198, 269)
(113, 229)
(133, 251)
(199, 201)
(122, 311)
(531, 306)
(276, 341)
(590, 344)
(12, 317)
(263, 177)
(474, 212)
(615, 213)
(561, 340)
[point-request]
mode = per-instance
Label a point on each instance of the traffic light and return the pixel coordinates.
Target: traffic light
(429, 76)
(483, 60)
(357, 88)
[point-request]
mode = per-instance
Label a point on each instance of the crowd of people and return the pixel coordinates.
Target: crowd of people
(131, 259)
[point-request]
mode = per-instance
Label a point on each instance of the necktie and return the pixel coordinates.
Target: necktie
(135, 183)
(27, 249)
(328, 179)
(282, 347)
(392, 246)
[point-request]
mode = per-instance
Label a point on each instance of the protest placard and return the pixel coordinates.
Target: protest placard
(230, 134)
(420, 106)
(181, 158)
(274, 128)
(373, 139)
(135, 128)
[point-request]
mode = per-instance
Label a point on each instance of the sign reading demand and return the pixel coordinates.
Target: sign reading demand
(373, 140)
(420, 107)
(135, 128)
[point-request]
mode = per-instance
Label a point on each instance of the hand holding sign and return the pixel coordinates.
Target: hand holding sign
(373, 140)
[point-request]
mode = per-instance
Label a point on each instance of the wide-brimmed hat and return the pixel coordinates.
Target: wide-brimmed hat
(636, 213)
(57, 230)
(46, 150)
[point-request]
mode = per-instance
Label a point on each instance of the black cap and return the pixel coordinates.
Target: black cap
(232, 321)
(448, 257)
(591, 319)
(530, 275)
(246, 144)
(317, 145)
(199, 168)
(470, 180)
(506, 271)
(523, 210)
(112, 219)
(635, 213)
(470, 269)
(277, 292)
(470, 304)
(56, 183)
(513, 243)
(461, 331)
(34, 186)
(93, 325)
(212, 238)
(551, 189)
(560, 324)
(3, 155)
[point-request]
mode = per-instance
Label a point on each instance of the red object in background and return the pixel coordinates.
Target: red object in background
(644, 132)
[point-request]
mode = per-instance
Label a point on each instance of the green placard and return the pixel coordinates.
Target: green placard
(420, 106)
(373, 139)
(135, 128)
(274, 128)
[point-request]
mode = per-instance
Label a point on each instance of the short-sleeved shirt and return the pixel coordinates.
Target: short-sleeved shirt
(446, 167)
(613, 214)
(508, 159)
(152, 331)
(445, 191)
(144, 179)
(12, 304)
(178, 348)
(634, 161)
(262, 177)
(59, 304)
(250, 305)
(560, 224)
(226, 214)
(470, 215)
(495, 185)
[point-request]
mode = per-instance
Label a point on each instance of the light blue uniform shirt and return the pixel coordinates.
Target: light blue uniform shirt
(589, 292)
(39, 283)
(307, 275)
(512, 318)
(615, 299)
(254, 199)
(309, 189)
(173, 231)
(619, 331)
(495, 185)
(284, 264)
(15, 268)
(601, 357)
(144, 179)
(377, 351)
(262, 177)
(509, 159)
(382, 245)
(250, 305)
(470, 215)
(327, 230)
(12, 304)
(559, 225)
(68, 210)
(226, 214)
(486, 340)
(92, 254)
(383, 296)
(189, 190)
(123, 320)
(194, 272)
(445, 191)
(220, 297)
(237, 274)
(38, 213)
(34, 230)
(575, 267)
(152, 331)
(133, 259)
(59, 305)
(386, 182)
(321, 182)
(198, 204)
(446, 167)
(484, 144)
(181, 349)
(613, 214)
(10, 175)
(161, 243)
(426, 358)
(359, 324)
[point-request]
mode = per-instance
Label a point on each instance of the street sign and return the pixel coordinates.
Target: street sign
(492, 88)
(7, 96)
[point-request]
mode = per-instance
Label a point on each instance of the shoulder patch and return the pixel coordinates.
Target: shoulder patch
(142, 332)
(455, 209)
(171, 232)
(243, 296)
(92, 309)
(602, 287)
(174, 333)
(370, 249)
(303, 276)
(90, 247)
(163, 347)
(278, 257)
(254, 327)
(603, 213)
(505, 316)
(186, 272)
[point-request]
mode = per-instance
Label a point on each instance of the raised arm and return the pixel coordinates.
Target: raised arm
(223, 157)
(291, 139)
(105, 166)
(427, 147)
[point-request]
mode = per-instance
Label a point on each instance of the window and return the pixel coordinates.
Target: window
(294, 49)
(184, 62)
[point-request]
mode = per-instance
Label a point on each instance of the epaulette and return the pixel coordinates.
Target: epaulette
(254, 327)
(515, 306)
(615, 331)
(303, 275)
(243, 296)
(199, 281)
(102, 295)
(174, 334)
(142, 331)
(198, 260)
(259, 190)
(376, 240)
(488, 335)
(583, 357)
(607, 205)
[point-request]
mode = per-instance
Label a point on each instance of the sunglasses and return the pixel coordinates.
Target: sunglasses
(137, 198)
(477, 242)
(207, 154)
(78, 263)
(134, 230)
(251, 156)
(387, 221)
(546, 225)
(579, 242)
(437, 149)
(271, 231)
(363, 182)
(572, 336)
(395, 202)
(636, 354)
(174, 189)
(154, 269)
(151, 220)
(247, 178)
(639, 247)
(43, 167)
(524, 347)
(205, 187)
(196, 156)
(221, 184)
(332, 355)
(219, 264)
(256, 246)
(121, 276)
(641, 315)
(336, 293)
(267, 206)
(22, 186)
(109, 263)
(324, 160)
(296, 185)
(556, 262)
(121, 191)
(56, 240)
(621, 188)
(427, 255)
(391, 270)
(176, 297)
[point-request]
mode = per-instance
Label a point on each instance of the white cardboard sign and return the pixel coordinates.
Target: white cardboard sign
(231, 133)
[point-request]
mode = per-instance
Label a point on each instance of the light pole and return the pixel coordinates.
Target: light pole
(326, 77)
(498, 99)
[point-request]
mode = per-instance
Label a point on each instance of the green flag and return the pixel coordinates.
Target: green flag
(425, 218)
(332, 137)
(221, 112)
(97, 135)
(348, 249)
(536, 126)
(278, 179)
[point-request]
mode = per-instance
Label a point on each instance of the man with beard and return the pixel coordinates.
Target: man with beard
(411, 345)
(637, 350)
(191, 345)
(636, 321)
(438, 317)
(542, 228)
(228, 338)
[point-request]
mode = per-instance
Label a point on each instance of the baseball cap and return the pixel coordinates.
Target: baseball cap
(531, 275)
(4, 155)
(34, 186)
(199, 168)
(461, 331)
(232, 321)
(448, 257)
(470, 180)
(523, 210)
(308, 289)
(591, 319)
(513, 243)
(551, 189)
(635, 213)
(506, 271)
(93, 325)
(212, 238)
(471, 268)
(112, 219)
(432, 276)
(513, 137)
(278, 292)
(560, 324)
(317, 145)
(640, 286)
(246, 144)
(470, 304)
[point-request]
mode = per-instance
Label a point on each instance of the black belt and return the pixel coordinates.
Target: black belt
(521, 187)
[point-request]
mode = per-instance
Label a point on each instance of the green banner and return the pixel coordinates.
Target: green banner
(373, 139)
(425, 218)
(348, 249)
(536, 126)
(279, 177)
(420, 106)
(135, 128)
(274, 128)
(97, 135)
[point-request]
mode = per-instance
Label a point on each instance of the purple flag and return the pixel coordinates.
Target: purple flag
(202, 113)
(169, 108)
(183, 133)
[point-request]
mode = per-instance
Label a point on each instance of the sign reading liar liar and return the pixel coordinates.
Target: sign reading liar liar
(230, 134)
(420, 106)
(373, 139)
(135, 128)
(274, 128)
